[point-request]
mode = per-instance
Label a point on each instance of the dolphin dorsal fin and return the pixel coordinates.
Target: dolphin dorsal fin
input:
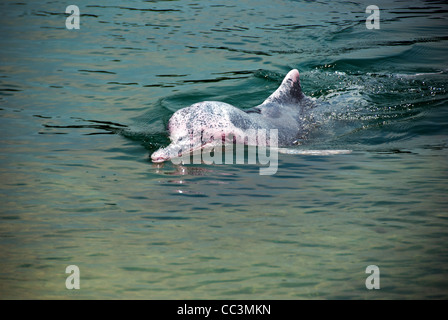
(289, 92)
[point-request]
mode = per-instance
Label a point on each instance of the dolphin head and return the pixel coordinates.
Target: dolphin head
(190, 130)
(174, 150)
(183, 145)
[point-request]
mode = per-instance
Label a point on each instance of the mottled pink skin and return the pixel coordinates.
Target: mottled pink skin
(202, 124)
(198, 126)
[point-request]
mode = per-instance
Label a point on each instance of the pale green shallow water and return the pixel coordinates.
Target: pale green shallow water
(82, 110)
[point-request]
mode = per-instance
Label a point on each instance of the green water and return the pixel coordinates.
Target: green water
(82, 110)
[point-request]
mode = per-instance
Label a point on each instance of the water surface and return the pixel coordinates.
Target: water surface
(82, 110)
